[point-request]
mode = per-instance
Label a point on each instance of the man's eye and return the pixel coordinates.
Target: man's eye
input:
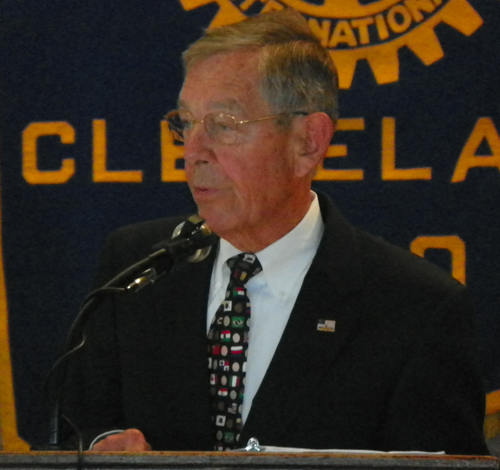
(187, 125)
(223, 127)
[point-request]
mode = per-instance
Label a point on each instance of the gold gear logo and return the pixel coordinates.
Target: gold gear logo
(374, 31)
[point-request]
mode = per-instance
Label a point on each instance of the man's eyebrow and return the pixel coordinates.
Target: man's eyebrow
(229, 104)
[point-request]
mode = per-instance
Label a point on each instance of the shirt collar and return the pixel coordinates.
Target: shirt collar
(279, 268)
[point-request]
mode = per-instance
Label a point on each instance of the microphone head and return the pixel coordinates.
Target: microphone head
(197, 231)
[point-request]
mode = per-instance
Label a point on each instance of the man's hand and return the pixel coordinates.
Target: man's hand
(131, 440)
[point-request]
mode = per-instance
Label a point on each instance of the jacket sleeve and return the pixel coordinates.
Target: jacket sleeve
(92, 389)
(438, 403)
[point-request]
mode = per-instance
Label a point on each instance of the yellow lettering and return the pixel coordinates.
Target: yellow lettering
(454, 244)
(492, 408)
(247, 4)
(484, 129)
(405, 15)
(272, 5)
(31, 173)
(170, 154)
(321, 32)
(343, 34)
(389, 170)
(339, 150)
(361, 24)
(383, 32)
(417, 6)
(100, 173)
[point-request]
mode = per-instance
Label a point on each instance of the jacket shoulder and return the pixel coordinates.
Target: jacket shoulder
(399, 267)
(132, 243)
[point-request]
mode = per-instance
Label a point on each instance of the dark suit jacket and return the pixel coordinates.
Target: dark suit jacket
(398, 373)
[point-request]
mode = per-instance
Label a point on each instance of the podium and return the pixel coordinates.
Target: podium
(240, 460)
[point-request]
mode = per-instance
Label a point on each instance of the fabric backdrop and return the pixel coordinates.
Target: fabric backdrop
(84, 86)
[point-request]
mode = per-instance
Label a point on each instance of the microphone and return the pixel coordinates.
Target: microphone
(191, 241)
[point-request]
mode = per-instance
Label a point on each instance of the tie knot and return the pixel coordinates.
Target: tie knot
(244, 266)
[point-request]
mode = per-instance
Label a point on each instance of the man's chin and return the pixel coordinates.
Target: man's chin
(218, 223)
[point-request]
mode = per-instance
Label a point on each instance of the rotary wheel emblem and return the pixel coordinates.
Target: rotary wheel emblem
(373, 32)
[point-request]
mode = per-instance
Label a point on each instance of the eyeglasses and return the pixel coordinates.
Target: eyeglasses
(221, 127)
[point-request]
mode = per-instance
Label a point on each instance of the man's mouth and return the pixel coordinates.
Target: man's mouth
(200, 191)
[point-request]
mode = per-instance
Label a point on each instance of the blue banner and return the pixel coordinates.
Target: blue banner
(84, 149)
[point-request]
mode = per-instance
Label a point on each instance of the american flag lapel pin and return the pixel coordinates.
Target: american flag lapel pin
(326, 325)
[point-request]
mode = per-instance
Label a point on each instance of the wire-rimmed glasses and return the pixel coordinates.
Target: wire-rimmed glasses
(221, 127)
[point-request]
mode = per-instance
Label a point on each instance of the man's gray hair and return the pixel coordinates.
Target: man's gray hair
(297, 72)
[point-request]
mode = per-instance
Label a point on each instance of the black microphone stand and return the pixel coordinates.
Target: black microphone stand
(194, 236)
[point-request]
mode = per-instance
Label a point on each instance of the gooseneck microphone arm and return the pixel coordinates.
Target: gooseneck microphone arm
(191, 242)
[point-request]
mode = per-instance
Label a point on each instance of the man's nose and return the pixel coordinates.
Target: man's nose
(197, 144)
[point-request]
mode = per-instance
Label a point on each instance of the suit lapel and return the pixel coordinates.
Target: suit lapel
(334, 274)
(184, 352)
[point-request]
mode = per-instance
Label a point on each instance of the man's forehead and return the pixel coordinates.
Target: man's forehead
(229, 82)
(232, 69)
(224, 104)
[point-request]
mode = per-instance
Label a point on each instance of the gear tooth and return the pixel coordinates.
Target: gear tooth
(382, 58)
(384, 63)
(425, 45)
(225, 18)
(460, 14)
(193, 4)
(227, 14)
(346, 66)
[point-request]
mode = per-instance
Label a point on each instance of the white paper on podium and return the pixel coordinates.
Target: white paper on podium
(346, 451)
(254, 446)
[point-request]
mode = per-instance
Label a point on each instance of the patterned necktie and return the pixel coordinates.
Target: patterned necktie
(227, 352)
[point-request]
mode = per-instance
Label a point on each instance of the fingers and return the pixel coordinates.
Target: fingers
(130, 440)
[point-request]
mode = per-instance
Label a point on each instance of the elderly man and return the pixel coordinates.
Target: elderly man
(317, 334)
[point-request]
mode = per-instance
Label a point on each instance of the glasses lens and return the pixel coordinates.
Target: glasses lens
(178, 123)
(221, 127)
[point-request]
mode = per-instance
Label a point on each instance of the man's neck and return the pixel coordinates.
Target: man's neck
(253, 241)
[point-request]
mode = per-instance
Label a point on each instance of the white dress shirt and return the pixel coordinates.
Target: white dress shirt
(272, 292)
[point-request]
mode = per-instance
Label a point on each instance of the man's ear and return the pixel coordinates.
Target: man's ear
(315, 134)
